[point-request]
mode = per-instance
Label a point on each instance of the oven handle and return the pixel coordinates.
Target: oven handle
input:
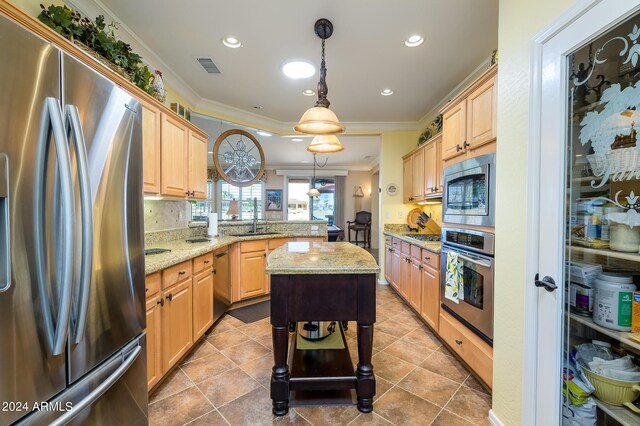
(475, 261)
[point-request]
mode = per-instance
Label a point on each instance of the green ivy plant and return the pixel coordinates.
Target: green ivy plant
(100, 37)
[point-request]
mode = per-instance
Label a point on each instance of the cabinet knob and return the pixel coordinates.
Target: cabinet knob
(265, 255)
(458, 342)
(214, 272)
(420, 267)
(206, 262)
(161, 302)
(187, 193)
(170, 297)
(458, 148)
(465, 145)
(181, 273)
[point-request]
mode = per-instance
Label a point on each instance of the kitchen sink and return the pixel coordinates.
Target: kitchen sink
(252, 234)
(198, 240)
(155, 251)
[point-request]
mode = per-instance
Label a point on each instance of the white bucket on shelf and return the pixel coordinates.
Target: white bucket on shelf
(612, 301)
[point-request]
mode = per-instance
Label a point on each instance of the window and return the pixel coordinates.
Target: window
(322, 207)
(200, 209)
(245, 196)
(297, 199)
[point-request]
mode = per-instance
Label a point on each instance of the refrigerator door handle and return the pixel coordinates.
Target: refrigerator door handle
(72, 117)
(5, 239)
(52, 120)
(100, 389)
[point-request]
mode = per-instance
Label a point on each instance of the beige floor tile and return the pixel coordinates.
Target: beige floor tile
(474, 384)
(227, 386)
(446, 366)
(403, 408)
(251, 409)
(382, 386)
(430, 386)
(471, 405)
(424, 338)
(446, 418)
(381, 340)
(390, 368)
(292, 418)
(265, 340)
(397, 329)
(256, 329)
(203, 348)
(329, 415)
(212, 418)
(232, 321)
(408, 351)
(369, 419)
(228, 338)
(179, 409)
(245, 352)
(220, 327)
(206, 367)
(175, 382)
(260, 369)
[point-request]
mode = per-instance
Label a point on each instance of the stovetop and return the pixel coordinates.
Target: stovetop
(424, 237)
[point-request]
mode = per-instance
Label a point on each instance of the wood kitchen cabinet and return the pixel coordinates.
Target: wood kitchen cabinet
(430, 305)
(469, 120)
(197, 185)
(433, 166)
(253, 279)
(154, 330)
(177, 322)
(407, 182)
(202, 295)
(417, 175)
(388, 259)
(405, 271)
(415, 284)
(174, 157)
(151, 149)
(395, 268)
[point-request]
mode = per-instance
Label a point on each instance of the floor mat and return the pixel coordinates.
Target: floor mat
(253, 313)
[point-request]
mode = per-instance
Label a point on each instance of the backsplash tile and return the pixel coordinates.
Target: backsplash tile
(162, 215)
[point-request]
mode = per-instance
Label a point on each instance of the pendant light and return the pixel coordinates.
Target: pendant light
(325, 144)
(313, 192)
(320, 120)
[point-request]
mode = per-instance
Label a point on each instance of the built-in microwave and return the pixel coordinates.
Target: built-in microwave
(469, 194)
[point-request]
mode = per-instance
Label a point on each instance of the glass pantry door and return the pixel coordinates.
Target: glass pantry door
(602, 228)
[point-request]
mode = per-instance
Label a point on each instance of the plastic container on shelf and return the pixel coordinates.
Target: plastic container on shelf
(623, 237)
(612, 301)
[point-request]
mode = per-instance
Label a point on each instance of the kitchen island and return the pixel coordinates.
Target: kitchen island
(312, 281)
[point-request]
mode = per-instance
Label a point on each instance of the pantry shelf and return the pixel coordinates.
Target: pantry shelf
(634, 257)
(621, 336)
(622, 415)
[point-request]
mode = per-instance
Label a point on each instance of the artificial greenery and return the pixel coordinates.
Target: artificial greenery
(99, 37)
(433, 129)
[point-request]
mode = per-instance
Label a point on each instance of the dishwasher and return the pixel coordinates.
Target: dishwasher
(221, 284)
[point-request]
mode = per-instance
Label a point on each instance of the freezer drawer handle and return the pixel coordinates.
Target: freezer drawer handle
(98, 391)
(5, 239)
(53, 122)
(86, 207)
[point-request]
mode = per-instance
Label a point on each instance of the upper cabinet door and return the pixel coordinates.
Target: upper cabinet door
(175, 146)
(417, 177)
(197, 166)
(481, 114)
(151, 149)
(430, 168)
(407, 183)
(454, 130)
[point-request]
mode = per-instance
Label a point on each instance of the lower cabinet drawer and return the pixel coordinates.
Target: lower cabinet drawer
(473, 350)
(250, 246)
(203, 262)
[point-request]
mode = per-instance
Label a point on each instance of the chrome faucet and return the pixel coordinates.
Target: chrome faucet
(255, 215)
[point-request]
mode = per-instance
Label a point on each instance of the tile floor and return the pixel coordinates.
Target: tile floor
(225, 380)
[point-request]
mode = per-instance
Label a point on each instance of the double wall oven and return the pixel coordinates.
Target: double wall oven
(468, 203)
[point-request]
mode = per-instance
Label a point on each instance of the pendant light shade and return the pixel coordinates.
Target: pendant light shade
(313, 192)
(319, 121)
(325, 144)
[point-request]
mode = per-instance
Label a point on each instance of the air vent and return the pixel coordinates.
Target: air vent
(208, 65)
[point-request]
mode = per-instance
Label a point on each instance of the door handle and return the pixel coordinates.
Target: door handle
(5, 239)
(548, 283)
(86, 208)
(52, 123)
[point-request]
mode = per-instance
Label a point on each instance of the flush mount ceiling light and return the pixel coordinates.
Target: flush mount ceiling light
(325, 144)
(308, 92)
(232, 42)
(263, 133)
(414, 41)
(320, 120)
(298, 69)
(387, 92)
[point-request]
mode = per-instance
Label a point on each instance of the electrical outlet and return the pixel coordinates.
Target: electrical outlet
(400, 214)
(387, 215)
(314, 227)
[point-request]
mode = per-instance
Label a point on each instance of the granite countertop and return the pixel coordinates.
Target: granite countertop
(182, 250)
(433, 246)
(321, 258)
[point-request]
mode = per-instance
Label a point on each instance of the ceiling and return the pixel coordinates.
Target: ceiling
(360, 153)
(365, 55)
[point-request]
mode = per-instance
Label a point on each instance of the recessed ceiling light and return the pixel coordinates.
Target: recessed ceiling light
(256, 106)
(262, 133)
(413, 41)
(232, 42)
(387, 92)
(308, 92)
(296, 140)
(210, 152)
(298, 69)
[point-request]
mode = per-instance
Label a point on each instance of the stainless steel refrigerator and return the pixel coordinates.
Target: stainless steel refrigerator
(72, 316)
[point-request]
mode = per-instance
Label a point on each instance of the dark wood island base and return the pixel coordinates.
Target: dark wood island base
(322, 297)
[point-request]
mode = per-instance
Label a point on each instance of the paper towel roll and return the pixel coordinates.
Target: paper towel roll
(212, 229)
